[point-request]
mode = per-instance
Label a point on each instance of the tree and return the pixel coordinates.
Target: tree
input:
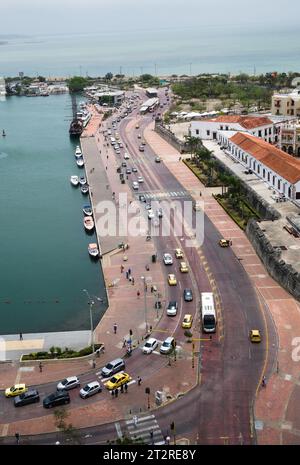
(194, 143)
(60, 417)
(41, 78)
(77, 84)
(108, 76)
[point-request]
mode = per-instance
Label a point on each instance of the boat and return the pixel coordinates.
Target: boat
(3, 133)
(87, 210)
(93, 250)
(84, 189)
(80, 162)
(74, 180)
(78, 152)
(88, 223)
(82, 180)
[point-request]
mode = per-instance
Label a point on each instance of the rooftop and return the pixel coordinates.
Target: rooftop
(247, 122)
(280, 162)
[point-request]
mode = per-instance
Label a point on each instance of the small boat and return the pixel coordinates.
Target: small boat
(3, 133)
(88, 223)
(93, 250)
(74, 180)
(87, 210)
(84, 189)
(80, 162)
(82, 180)
(78, 151)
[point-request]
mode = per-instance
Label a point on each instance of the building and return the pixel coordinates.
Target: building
(275, 167)
(2, 87)
(151, 92)
(289, 138)
(287, 104)
(105, 95)
(149, 105)
(260, 126)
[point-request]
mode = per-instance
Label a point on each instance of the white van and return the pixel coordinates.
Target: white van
(126, 156)
(168, 345)
(135, 185)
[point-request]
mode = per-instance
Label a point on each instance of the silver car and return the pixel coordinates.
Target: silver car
(90, 389)
(68, 383)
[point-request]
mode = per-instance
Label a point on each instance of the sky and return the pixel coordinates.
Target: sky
(35, 17)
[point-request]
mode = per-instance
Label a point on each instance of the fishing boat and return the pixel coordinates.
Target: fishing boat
(87, 210)
(78, 151)
(80, 162)
(88, 223)
(82, 180)
(84, 189)
(74, 180)
(93, 250)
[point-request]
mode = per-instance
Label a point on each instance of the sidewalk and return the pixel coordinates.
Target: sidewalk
(277, 410)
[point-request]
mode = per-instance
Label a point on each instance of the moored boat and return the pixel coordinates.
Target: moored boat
(78, 150)
(80, 162)
(87, 210)
(93, 250)
(88, 223)
(74, 180)
(84, 189)
(82, 180)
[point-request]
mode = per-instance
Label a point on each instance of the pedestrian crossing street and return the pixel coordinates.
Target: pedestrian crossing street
(141, 427)
(164, 195)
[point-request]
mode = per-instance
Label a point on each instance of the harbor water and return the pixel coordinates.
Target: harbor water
(44, 260)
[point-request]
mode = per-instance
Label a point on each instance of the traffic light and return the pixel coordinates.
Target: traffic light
(172, 426)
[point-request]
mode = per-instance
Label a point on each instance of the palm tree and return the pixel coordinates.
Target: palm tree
(194, 143)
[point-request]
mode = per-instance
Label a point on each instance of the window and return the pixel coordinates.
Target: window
(297, 195)
(279, 184)
(221, 128)
(226, 128)
(197, 132)
(269, 177)
(264, 173)
(274, 180)
(270, 130)
(208, 133)
(266, 132)
(258, 169)
(259, 133)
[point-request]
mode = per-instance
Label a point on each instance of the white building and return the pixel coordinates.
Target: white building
(278, 169)
(259, 126)
(2, 87)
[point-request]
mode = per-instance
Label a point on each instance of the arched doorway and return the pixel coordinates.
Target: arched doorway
(290, 150)
(283, 148)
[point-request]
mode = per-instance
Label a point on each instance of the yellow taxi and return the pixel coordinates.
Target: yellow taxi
(178, 253)
(183, 267)
(255, 335)
(172, 280)
(187, 321)
(224, 242)
(15, 390)
(117, 380)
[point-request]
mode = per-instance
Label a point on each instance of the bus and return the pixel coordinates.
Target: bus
(208, 312)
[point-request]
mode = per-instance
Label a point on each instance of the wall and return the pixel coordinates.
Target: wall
(283, 273)
(179, 145)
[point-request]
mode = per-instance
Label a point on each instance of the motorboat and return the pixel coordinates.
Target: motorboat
(80, 162)
(78, 151)
(88, 223)
(84, 189)
(87, 210)
(74, 180)
(93, 250)
(82, 180)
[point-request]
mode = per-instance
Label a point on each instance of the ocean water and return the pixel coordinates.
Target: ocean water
(227, 48)
(44, 262)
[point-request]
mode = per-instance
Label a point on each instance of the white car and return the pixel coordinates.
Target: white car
(140, 179)
(167, 258)
(172, 308)
(68, 383)
(150, 345)
(126, 156)
(135, 185)
(90, 389)
(150, 214)
(118, 151)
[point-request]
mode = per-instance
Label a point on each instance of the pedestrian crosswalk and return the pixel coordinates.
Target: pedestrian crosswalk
(146, 429)
(163, 195)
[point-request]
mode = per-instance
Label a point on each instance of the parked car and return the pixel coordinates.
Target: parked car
(68, 383)
(135, 185)
(150, 345)
(30, 397)
(168, 345)
(134, 169)
(57, 398)
(90, 389)
(188, 295)
(113, 367)
(128, 171)
(126, 156)
(172, 308)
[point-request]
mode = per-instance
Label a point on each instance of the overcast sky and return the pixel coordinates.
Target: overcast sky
(69, 16)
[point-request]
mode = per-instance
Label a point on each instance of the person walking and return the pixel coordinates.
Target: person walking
(138, 294)
(17, 436)
(151, 436)
(127, 275)
(122, 268)
(129, 271)
(125, 387)
(21, 337)
(132, 281)
(139, 380)
(135, 420)
(116, 393)
(115, 328)
(124, 342)
(122, 388)
(41, 367)
(263, 383)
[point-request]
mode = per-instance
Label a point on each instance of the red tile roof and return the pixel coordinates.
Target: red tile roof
(247, 122)
(280, 162)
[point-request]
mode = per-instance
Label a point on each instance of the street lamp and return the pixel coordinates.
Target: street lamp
(91, 303)
(145, 302)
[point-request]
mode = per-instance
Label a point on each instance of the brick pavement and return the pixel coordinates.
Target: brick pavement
(277, 405)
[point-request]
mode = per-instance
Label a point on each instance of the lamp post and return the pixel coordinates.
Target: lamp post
(145, 302)
(91, 303)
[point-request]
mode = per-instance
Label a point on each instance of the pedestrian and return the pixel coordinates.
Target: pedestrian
(139, 380)
(130, 278)
(116, 393)
(124, 342)
(138, 294)
(122, 268)
(263, 383)
(152, 289)
(115, 328)
(132, 281)
(127, 275)
(200, 194)
(94, 364)
(146, 287)
(17, 436)
(151, 436)
(122, 388)
(113, 393)
(129, 271)
(21, 337)
(135, 420)
(125, 387)
(41, 367)
(167, 440)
